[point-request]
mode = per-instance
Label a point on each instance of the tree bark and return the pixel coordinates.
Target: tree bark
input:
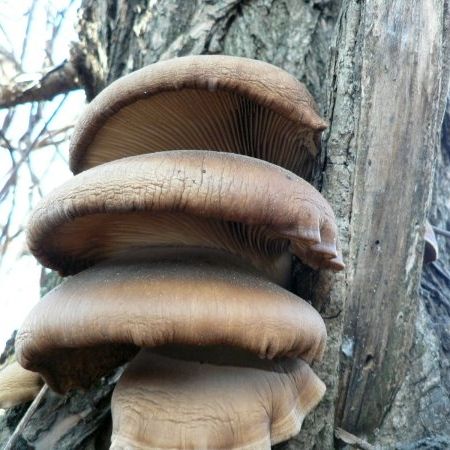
(401, 92)
(379, 71)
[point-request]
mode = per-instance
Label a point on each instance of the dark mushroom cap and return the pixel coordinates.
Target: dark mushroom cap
(184, 198)
(167, 403)
(99, 318)
(210, 102)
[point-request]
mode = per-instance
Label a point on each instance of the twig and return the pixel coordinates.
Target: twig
(13, 172)
(54, 81)
(441, 231)
(27, 32)
(25, 419)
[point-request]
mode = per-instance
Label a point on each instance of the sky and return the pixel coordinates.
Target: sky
(19, 274)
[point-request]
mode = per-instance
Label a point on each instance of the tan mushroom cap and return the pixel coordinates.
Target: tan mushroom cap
(97, 319)
(431, 251)
(166, 403)
(18, 385)
(184, 198)
(211, 102)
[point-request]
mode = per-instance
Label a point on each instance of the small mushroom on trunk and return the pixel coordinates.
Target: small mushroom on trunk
(98, 319)
(163, 402)
(243, 205)
(431, 251)
(211, 102)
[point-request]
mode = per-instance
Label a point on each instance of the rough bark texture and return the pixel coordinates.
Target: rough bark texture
(379, 73)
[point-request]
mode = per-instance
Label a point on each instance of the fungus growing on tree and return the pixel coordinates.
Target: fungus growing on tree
(251, 405)
(431, 251)
(181, 234)
(18, 385)
(191, 198)
(209, 102)
(98, 319)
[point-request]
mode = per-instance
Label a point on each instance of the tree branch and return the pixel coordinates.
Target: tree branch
(57, 80)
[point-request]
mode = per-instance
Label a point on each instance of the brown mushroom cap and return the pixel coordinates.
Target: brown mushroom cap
(184, 198)
(167, 403)
(97, 319)
(431, 251)
(18, 385)
(211, 102)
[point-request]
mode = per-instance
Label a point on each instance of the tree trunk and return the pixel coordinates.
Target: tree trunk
(379, 73)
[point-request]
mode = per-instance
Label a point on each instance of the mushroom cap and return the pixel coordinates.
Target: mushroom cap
(97, 319)
(18, 385)
(167, 403)
(184, 198)
(431, 251)
(210, 102)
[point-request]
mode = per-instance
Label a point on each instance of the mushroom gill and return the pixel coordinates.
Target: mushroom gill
(98, 319)
(211, 102)
(162, 402)
(243, 205)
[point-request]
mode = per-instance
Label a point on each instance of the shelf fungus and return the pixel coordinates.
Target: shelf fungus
(179, 228)
(209, 102)
(98, 319)
(245, 206)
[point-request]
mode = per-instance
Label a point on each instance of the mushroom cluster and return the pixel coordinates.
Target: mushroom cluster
(188, 204)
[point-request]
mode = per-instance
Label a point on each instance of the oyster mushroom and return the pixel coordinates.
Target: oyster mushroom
(211, 102)
(18, 385)
(185, 198)
(249, 406)
(180, 231)
(98, 319)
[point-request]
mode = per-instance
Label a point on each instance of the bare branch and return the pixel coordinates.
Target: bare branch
(57, 80)
(442, 232)
(13, 172)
